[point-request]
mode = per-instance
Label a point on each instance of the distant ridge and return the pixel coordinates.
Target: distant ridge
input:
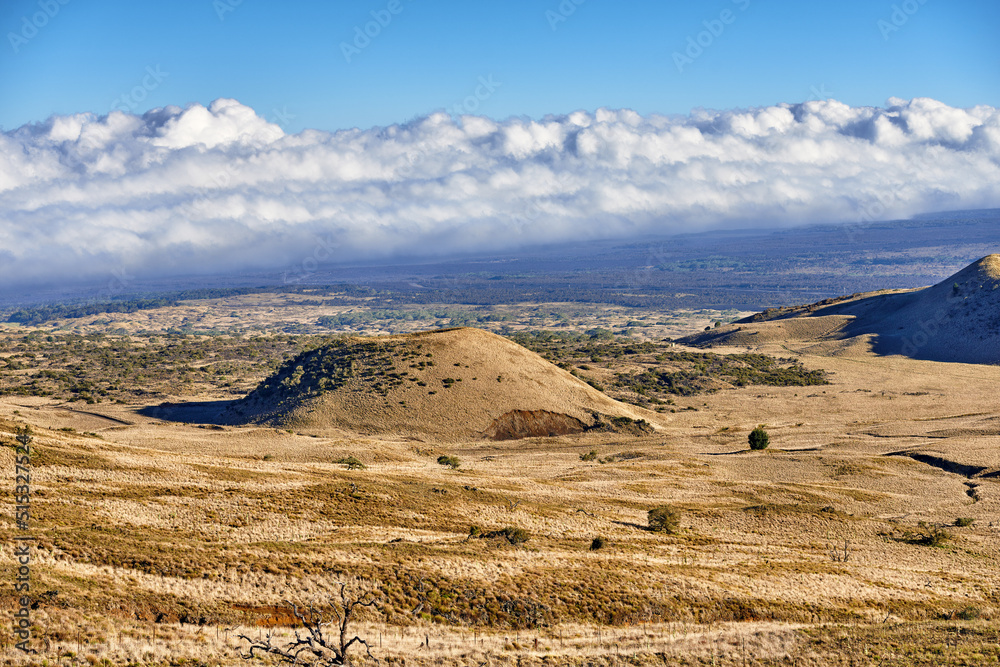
(956, 320)
(452, 384)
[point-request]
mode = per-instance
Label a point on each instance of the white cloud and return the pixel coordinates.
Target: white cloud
(219, 188)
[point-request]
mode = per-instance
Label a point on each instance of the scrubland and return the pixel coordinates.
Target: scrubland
(159, 541)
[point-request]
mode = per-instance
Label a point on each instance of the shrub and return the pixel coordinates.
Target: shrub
(450, 461)
(665, 518)
(758, 439)
(964, 521)
(931, 536)
(589, 456)
(968, 614)
(513, 534)
(598, 543)
(352, 463)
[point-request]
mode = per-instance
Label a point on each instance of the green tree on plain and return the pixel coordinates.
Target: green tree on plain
(759, 439)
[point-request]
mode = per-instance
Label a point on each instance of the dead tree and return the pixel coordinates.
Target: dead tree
(838, 556)
(314, 647)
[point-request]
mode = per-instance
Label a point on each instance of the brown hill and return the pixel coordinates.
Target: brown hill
(449, 384)
(957, 320)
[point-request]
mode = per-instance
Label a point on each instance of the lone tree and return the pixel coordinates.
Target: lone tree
(312, 647)
(664, 519)
(758, 439)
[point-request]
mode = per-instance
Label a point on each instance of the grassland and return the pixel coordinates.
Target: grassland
(157, 542)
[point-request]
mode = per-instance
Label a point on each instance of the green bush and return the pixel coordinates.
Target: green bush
(664, 519)
(513, 534)
(598, 543)
(758, 439)
(964, 521)
(352, 463)
(450, 461)
(589, 456)
(968, 614)
(930, 535)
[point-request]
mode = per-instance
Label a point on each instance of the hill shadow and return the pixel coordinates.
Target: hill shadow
(194, 412)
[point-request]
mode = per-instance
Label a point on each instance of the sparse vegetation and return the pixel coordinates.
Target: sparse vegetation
(220, 534)
(313, 647)
(666, 371)
(351, 463)
(706, 372)
(97, 368)
(969, 613)
(664, 519)
(928, 535)
(840, 554)
(450, 461)
(512, 534)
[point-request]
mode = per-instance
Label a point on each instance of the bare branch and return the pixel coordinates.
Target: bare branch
(312, 647)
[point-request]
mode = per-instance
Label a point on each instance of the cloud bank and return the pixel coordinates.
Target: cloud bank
(219, 189)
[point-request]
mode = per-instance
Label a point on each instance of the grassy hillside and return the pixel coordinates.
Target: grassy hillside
(450, 382)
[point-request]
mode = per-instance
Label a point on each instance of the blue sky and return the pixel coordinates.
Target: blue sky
(565, 120)
(285, 59)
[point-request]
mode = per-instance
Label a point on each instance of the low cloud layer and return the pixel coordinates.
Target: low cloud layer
(204, 190)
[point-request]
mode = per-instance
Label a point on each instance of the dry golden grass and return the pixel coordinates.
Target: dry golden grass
(444, 385)
(160, 519)
(955, 320)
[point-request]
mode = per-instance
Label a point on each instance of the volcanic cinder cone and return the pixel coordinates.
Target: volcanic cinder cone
(451, 384)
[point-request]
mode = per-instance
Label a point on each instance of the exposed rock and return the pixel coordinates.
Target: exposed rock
(532, 424)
